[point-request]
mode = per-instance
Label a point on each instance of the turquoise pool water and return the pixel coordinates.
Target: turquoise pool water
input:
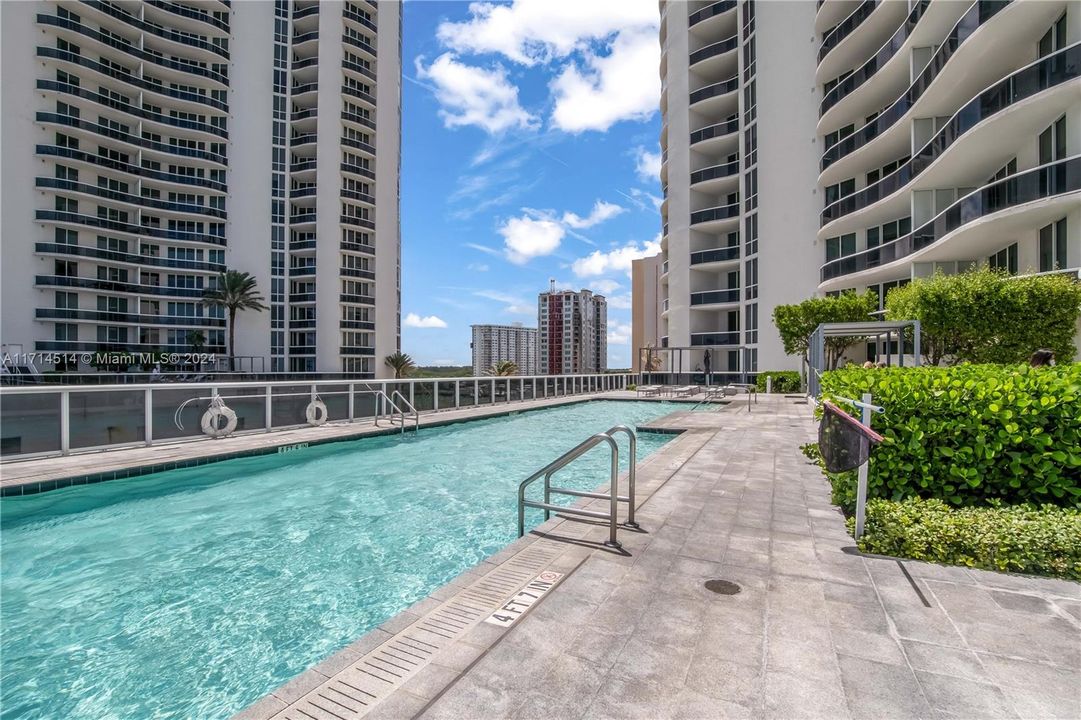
(192, 593)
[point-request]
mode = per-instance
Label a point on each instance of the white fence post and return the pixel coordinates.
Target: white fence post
(148, 417)
(861, 485)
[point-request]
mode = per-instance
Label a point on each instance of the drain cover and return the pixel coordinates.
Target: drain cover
(722, 587)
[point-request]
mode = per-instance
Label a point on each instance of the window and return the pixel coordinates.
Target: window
(1004, 259)
(1053, 142)
(66, 237)
(1053, 246)
(66, 268)
(840, 246)
(112, 304)
(67, 301)
(112, 244)
(1055, 37)
(67, 332)
(64, 204)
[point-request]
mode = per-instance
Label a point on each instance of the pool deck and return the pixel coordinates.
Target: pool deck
(816, 630)
(94, 466)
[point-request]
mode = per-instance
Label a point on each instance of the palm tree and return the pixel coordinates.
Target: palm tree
(653, 362)
(401, 363)
(503, 368)
(196, 340)
(235, 291)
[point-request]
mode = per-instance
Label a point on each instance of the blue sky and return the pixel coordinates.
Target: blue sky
(529, 152)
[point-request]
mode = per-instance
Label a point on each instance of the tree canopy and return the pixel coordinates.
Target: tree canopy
(987, 316)
(795, 323)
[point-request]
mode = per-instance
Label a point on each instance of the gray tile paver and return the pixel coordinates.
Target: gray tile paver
(816, 632)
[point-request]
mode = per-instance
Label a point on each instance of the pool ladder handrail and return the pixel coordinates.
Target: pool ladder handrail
(409, 406)
(612, 495)
(381, 409)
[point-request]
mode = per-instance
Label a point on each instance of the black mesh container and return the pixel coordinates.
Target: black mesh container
(843, 441)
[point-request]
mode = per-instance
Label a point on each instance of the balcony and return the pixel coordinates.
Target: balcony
(977, 15)
(710, 11)
(1057, 179)
(845, 28)
(714, 173)
(715, 217)
(716, 255)
(1051, 71)
(715, 338)
(715, 297)
(715, 90)
(715, 49)
(868, 69)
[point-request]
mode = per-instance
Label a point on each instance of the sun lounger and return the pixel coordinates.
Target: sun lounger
(649, 390)
(686, 391)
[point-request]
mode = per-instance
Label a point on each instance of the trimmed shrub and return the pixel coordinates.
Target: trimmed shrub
(986, 316)
(1020, 538)
(784, 381)
(969, 434)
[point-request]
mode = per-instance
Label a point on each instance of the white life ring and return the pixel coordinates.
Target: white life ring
(210, 422)
(316, 413)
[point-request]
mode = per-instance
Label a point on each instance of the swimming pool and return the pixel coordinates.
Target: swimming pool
(192, 593)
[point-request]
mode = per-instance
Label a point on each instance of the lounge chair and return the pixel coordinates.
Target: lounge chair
(649, 390)
(686, 391)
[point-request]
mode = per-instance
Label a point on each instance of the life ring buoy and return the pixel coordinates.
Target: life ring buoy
(211, 422)
(316, 412)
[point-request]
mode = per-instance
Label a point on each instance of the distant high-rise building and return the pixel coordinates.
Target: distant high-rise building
(646, 296)
(497, 343)
(573, 330)
(148, 146)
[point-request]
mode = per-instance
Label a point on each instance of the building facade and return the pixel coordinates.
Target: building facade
(906, 138)
(149, 146)
(645, 308)
(573, 332)
(497, 343)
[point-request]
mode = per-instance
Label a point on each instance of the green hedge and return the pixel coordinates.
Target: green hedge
(1020, 538)
(784, 381)
(970, 434)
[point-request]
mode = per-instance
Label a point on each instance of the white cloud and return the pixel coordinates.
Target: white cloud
(599, 263)
(601, 211)
(525, 238)
(539, 31)
(623, 85)
(477, 267)
(620, 302)
(481, 248)
(619, 333)
(514, 304)
(430, 321)
(647, 164)
(604, 287)
(471, 95)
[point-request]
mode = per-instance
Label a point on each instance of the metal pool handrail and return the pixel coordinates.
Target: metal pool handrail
(612, 495)
(409, 406)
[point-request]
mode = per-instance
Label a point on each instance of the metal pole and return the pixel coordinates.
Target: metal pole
(861, 486)
(352, 407)
(65, 423)
(148, 417)
(916, 343)
(613, 503)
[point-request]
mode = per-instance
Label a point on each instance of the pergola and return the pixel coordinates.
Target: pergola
(877, 329)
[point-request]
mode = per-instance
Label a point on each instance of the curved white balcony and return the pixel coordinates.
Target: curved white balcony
(968, 148)
(969, 229)
(984, 46)
(857, 36)
(716, 179)
(716, 219)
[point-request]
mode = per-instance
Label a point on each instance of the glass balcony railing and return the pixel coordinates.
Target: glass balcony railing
(717, 171)
(719, 130)
(79, 155)
(61, 216)
(723, 212)
(130, 258)
(845, 28)
(116, 286)
(980, 12)
(866, 71)
(71, 186)
(715, 338)
(715, 297)
(717, 8)
(1044, 182)
(715, 255)
(106, 131)
(103, 316)
(1051, 71)
(714, 90)
(189, 12)
(176, 36)
(717, 48)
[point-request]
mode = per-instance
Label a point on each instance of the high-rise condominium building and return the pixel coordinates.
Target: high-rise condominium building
(497, 343)
(573, 332)
(148, 146)
(894, 140)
